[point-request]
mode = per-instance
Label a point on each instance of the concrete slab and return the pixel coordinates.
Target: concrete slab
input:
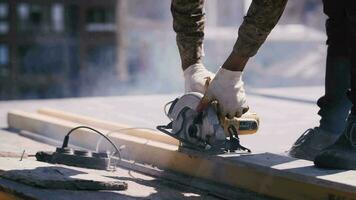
(34, 173)
(16, 143)
(265, 173)
(140, 186)
(284, 113)
(283, 117)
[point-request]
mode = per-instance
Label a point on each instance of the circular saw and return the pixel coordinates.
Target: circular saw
(204, 130)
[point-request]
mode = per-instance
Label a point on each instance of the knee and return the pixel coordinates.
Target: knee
(336, 30)
(338, 36)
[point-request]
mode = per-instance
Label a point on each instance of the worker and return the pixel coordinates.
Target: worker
(333, 143)
(226, 86)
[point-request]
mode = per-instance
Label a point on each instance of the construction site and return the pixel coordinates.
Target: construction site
(94, 103)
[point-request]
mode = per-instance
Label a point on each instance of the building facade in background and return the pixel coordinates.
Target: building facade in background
(52, 48)
(71, 48)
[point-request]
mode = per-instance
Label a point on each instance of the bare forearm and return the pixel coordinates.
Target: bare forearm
(261, 18)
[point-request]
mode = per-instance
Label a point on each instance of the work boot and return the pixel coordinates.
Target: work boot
(342, 154)
(311, 143)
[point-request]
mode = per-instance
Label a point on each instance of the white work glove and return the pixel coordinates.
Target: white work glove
(227, 89)
(195, 77)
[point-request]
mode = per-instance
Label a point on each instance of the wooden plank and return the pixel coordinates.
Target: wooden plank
(115, 127)
(268, 174)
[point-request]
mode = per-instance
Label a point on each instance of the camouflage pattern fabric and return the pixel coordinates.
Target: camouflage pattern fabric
(189, 22)
(261, 18)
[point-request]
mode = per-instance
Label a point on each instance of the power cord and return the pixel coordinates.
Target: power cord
(120, 130)
(106, 136)
(165, 108)
(66, 138)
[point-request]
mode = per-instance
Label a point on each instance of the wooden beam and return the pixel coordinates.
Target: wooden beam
(121, 128)
(264, 173)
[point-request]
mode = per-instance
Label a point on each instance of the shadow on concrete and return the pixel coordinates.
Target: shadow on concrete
(10, 130)
(57, 177)
(163, 189)
(299, 100)
(282, 164)
(57, 182)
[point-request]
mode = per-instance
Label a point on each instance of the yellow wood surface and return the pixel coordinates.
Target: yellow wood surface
(231, 171)
(114, 127)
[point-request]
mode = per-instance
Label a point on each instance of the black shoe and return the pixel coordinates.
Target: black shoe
(311, 143)
(342, 154)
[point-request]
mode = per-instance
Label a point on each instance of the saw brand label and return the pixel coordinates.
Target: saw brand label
(248, 125)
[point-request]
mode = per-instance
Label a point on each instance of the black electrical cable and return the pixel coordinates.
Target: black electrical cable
(66, 138)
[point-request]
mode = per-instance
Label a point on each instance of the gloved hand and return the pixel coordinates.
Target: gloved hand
(227, 89)
(195, 77)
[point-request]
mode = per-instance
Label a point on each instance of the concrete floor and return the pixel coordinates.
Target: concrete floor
(285, 113)
(140, 186)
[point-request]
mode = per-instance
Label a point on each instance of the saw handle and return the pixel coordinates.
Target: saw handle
(247, 124)
(204, 103)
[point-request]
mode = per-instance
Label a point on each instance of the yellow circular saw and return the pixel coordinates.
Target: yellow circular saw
(204, 130)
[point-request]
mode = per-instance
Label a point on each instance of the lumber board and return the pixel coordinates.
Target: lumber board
(111, 126)
(269, 174)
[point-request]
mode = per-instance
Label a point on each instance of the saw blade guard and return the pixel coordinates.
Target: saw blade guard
(204, 130)
(192, 126)
(190, 100)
